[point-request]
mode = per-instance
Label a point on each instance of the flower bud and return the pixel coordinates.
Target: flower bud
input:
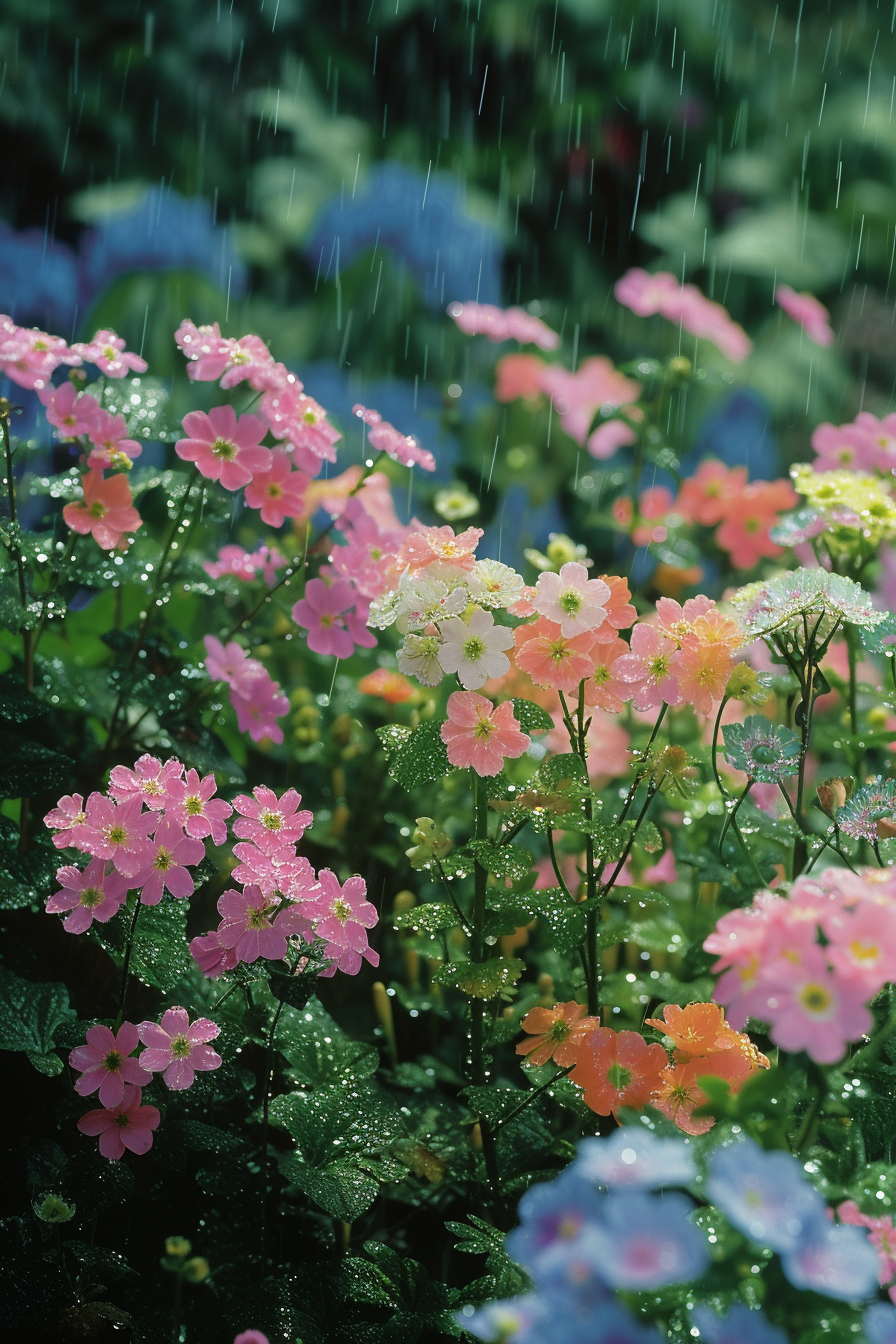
(178, 1246)
(833, 793)
(52, 1209)
(681, 366)
(196, 1270)
(746, 685)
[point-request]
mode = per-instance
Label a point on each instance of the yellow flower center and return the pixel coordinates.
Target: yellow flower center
(92, 897)
(815, 998)
(180, 1047)
(224, 449)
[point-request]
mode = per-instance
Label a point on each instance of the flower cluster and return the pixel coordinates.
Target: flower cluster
(596, 387)
(881, 1234)
(846, 509)
(686, 306)
(238, 563)
(866, 444)
(503, 324)
(809, 963)
(256, 697)
(282, 906)
(30, 357)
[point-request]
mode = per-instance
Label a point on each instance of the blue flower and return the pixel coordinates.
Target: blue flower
(765, 1195)
(552, 1214)
(520, 1319)
(835, 1260)
(543, 1318)
(741, 1326)
(635, 1157)
(419, 217)
(879, 1323)
(163, 231)
(38, 280)
(645, 1241)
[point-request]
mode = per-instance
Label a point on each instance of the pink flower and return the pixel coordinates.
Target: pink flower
(805, 309)
(550, 658)
(620, 612)
(269, 821)
(341, 916)
(73, 413)
(246, 925)
(104, 1064)
(279, 492)
(812, 1008)
(749, 517)
(571, 600)
(106, 510)
(214, 356)
(481, 735)
(501, 324)
(228, 663)
(862, 944)
(649, 667)
(663, 871)
(234, 561)
(177, 1050)
(149, 780)
(30, 357)
(251, 1337)
(127, 1125)
(609, 437)
(604, 687)
(66, 819)
(111, 446)
(663, 293)
(518, 376)
(385, 438)
(426, 545)
(159, 865)
(867, 444)
(115, 830)
(366, 560)
(107, 352)
(702, 672)
(259, 703)
(577, 397)
(294, 416)
(322, 613)
(194, 807)
(705, 496)
(647, 294)
(276, 872)
(211, 956)
(224, 448)
(90, 893)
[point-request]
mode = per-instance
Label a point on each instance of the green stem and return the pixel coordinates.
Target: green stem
(126, 965)
(14, 545)
(478, 1071)
(634, 788)
(536, 1092)
(869, 1053)
(268, 1079)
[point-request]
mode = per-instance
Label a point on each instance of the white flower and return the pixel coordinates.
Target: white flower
(473, 649)
(496, 585)
(422, 600)
(383, 610)
(572, 600)
(419, 657)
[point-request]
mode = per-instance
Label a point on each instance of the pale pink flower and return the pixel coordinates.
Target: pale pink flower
(225, 448)
(518, 376)
(425, 545)
(194, 807)
(501, 324)
(88, 894)
(149, 780)
(280, 871)
(702, 672)
(104, 1064)
(609, 437)
(571, 600)
(294, 416)
(73, 413)
(474, 649)
(278, 492)
(114, 830)
(107, 351)
(371, 551)
(29, 357)
(862, 944)
(813, 1008)
(160, 864)
(213, 356)
(269, 821)
(649, 668)
(550, 658)
(645, 293)
(385, 438)
(867, 444)
(805, 309)
(234, 561)
(211, 956)
(620, 612)
(247, 926)
(66, 819)
(111, 446)
(663, 293)
(577, 397)
(480, 735)
(105, 511)
(228, 663)
(125, 1126)
(341, 916)
(661, 872)
(177, 1050)
(322, 613)
(259, 703)
(604, 687)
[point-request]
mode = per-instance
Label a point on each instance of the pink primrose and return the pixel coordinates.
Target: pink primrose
(322, 613)
(805, 309)
(862, 944)
(225, 448)
(211, 956)
(385, 438)
(425, 546)
(603, 687)
(192, 804)
(229, 663)
(72, 412)
(30, 357)
(149, 780)
(111, 446)
(106, 510)
(234, 561)
(177, 1050)
(550, 659)
(815, 1009)
(278, 491)
(294, 416)
(114, 830)
(104, 1063)
(571, 600)
(246, 925)
(125, 1126)
(212, 356)
(341, 916)
(88, 894)
(609, 437)
(280, 871)
(663, 293)
(160, 864)
(66, 819)
(501, 324)
(371, 549)
(577, 397)
(480, 735)
(107, 351)
(259, 703)
(518, 376)
(650, 668)
(269, 821)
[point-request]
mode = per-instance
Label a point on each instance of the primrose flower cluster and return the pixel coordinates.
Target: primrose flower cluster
(619, 1070)
(810, 962)
(603, 1227)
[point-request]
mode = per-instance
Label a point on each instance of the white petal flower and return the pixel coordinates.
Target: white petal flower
(423, 600)
(496, 585)
(419, 657)
(572, 600)
(473, 649)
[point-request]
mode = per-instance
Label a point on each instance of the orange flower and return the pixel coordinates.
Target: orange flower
(389, 686)
(697, 1029)
(555, 1030)
(616, 1069)
(679, 1094)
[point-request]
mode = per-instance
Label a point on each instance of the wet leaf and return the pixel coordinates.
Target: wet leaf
(29, 1016)
(531, 717)
(482, 979)
(418, 758)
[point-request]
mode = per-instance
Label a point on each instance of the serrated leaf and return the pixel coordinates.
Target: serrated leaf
(531, 717)
(29, 1016)
(17, 703)
(502, 861)
(28, 767)
(880, 638)
(481, 979)
(318, 1051)
(565, 768)
(432, 917)
(417, 756)
(476, 1236)
(159, 955)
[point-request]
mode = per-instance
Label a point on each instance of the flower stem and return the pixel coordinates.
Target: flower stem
(478, 1071)
(126, 965)
(268, 1079)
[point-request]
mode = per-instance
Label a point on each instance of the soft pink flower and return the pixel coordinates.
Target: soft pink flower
(269, 821)
(225, 448)
(104, 1064)
(214, 356)
(609, 437)
(234, 561)
(73, 413)
(663, 871)
(125, 1126)
(620, 612)
(160, 864)
(66, 819)
(862, 944)
(385, 438)
(684, 304)
(645, 293)
(229, 663)
(571, 600)
(805, 309)
(577, 397)
(813, 1008)
(178, 1050)
(107, 351)
(90, 893)
(29, 356)
(518, 376)
(748, 519)
(604, 687)
(322, 613)
(211, 956)
(366, 560)
(111, 446)
(259, 703)
(702, 672)
(550, 658)
(278, 871)
(649, 668)
(247, 926)
(192, 804)
(425, 545)
(341, 916)
(480, 735)
(501, 324)
(294, 416)
(278, 492)
(149, 780)
(867, 444)
(105, 511)
(114, 830)
(251, 1337)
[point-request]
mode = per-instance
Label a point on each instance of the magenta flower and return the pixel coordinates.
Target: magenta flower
(278, 491)
(111, 445)
(228, 663)
(321, 612)
(193, 806)
(650, 668)
(149, 780)
(385, 438)
(225, 449)
(66, 819)
(107, 351)
(341, 917)
(159, 865)
(177, 1050)
(104, 1064)
(269, 821)
(251, 1337)
(281, 871)
(89, 893)
(211, 956)
(247, 925)
(805, 309)
(127, 1125)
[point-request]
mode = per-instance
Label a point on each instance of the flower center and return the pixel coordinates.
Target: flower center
(272, 820)
(571, 602)
(224, 449)
(864, 951)
(257, 918)
(558, 651)
(659, 667)
(341, 910)
(618, 1077)
(600, 676)
(97, 509)
(92, 897)
(193, 806)
(116, 835)
(483, 730)
(122, 1120)
(113, 1061)
(152, 788)
(273, 491)
(163, 860)
(180, 1047)
(473, 648)
(815, 998)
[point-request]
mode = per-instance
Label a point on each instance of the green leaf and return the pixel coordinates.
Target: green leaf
(880, 638)
(418, 758)
(531, 717)
(26, 879)
(564, 769)
(29, 1016)
(49, 1064)
(429, 918)
(476, 1236)
(296, 990)
(28, 767)
(17, 704)
(160, 956)
(482, 979)
(502, 861)
(318, 1051)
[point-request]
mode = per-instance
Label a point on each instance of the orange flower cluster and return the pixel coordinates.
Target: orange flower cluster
(618, 1069)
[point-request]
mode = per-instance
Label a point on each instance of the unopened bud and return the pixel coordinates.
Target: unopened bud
(833, 793)
(196, 1270)
(476, 1136)
(382, 1006)
(54, 1210)
(745, 684)
(680, 366)
(178, 1246)
(545, 990)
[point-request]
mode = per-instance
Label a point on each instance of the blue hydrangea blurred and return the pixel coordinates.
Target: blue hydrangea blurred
(765, 1195)
(738, 431)
(422, 220)
(553, 1215)
(836, 1260)
(741, 1326)
(645, 1241)
(545, 1318)
(879, 1323)
(38, 280)
(163, 231)
(634, 1157)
